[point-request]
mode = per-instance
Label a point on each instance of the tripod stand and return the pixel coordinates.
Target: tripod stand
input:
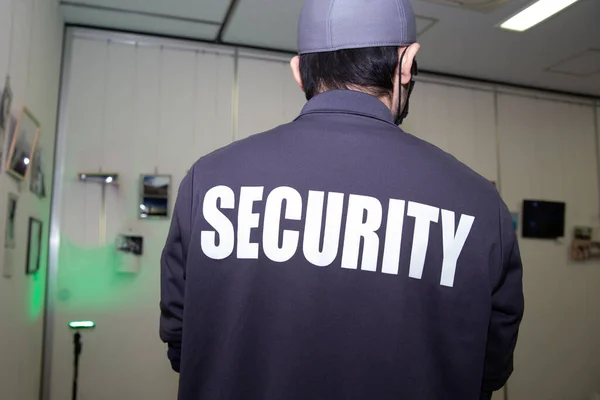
(77, 347)
(76, 326)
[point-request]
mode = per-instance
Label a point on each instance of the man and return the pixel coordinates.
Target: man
(337, 257)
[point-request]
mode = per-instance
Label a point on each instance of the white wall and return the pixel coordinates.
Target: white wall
(548, 151)
(30, 52)
(459, 120)
(133, 109)
(280, 97)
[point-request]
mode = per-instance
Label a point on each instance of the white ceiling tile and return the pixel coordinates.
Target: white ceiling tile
(470, 44)
(138, 23)
(424, 24)
(207, 10)
(583, 64)
(265, 23)
(475, 5)
(461, 42)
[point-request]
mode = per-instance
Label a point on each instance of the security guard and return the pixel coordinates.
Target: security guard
(337, 257)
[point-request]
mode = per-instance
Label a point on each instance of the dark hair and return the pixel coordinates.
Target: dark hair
(372, 69)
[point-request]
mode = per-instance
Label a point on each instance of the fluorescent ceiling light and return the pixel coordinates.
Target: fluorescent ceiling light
(535, 13)
(82, 324)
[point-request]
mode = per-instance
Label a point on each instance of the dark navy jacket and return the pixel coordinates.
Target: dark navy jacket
(337, 257)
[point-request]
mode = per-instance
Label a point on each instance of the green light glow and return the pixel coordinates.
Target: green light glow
(88, 275)
(37, 282)
(81, 324)
(92, 287)
(37, 293)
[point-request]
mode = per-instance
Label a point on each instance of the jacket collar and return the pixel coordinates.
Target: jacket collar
(348, 102)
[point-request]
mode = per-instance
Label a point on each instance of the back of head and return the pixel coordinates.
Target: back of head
(353, 44)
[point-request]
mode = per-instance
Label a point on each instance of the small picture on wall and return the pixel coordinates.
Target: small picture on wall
(154, 196)
(130, 244)
(23, 145)
(5, 103)
(37, 185)
(34, 246)
(6, 97)
(8, 264)
(11, 217)
(583, 233)
(6, 136)
(515, 219)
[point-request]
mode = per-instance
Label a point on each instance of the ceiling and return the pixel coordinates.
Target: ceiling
(562, 53)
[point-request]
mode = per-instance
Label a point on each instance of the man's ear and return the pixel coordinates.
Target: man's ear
(295, 65)
(407, 62)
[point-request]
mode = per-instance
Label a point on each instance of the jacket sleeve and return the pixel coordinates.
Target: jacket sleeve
(507, 309)
(172, 283)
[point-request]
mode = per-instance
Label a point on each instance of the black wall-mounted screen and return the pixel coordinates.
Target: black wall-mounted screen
(543, 219)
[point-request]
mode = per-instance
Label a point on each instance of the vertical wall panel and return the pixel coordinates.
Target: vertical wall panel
(85, 144)
(267, 96)
(176, 108)
(118, 108)
(132, 110)
(259, 79)
(6, 24)
(548, 152)
(458, 120)
(117, 141)
(20, 50)
(148, 67)
(293, 97)
(88, 104)
(213, 103)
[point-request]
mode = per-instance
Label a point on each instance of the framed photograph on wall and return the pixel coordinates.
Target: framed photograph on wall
(154, 196)
(34, 246)
(130, 244)
(5, 105)
(6, 136)
(22, 145)
(6, 97)
(37, 183)
(11, 217)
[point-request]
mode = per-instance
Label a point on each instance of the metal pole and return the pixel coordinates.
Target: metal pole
(55, 218)
(596, 112)
(78, 346)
